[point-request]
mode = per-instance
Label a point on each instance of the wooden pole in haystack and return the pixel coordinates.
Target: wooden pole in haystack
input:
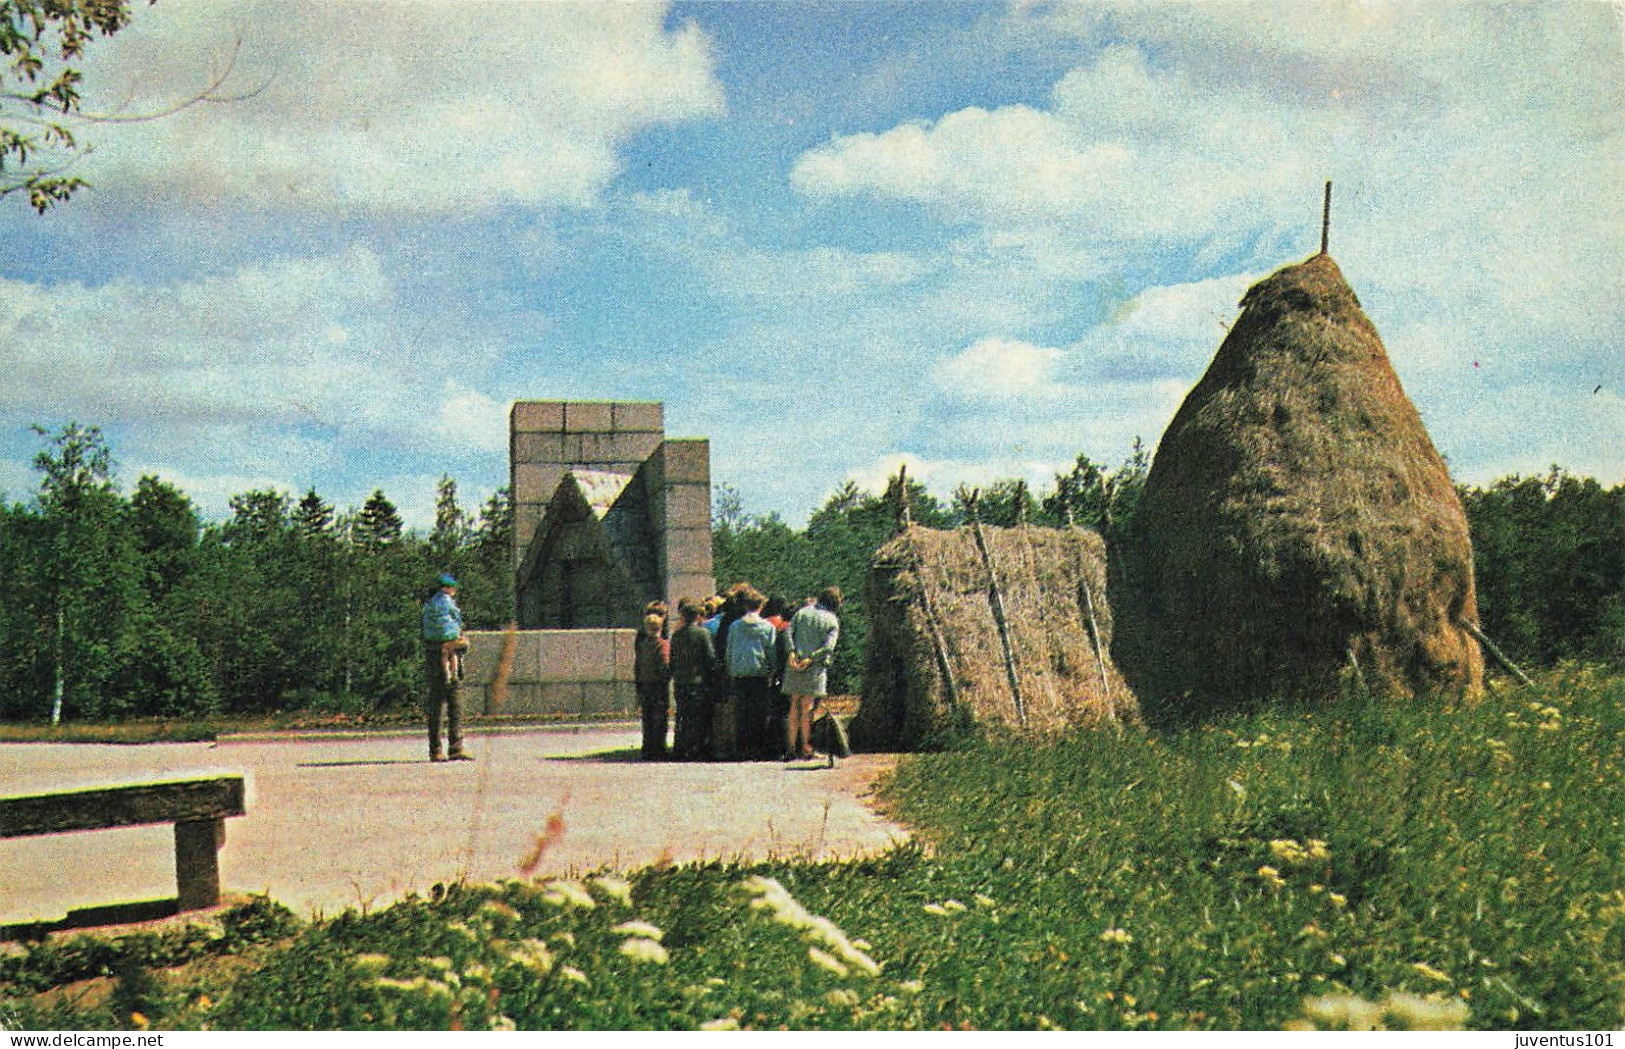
(1326, 219)
(996, 599)
(897, 494)
(1094, 624)
(1500, 657)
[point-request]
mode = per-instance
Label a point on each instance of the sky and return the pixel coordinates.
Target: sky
(980, 239)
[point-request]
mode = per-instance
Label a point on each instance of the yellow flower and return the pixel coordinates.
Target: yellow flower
(1271, 877)
(937, 909)
(1116, 936)
(570, 972)
(1338, 899)
(140, 1021)
(1430, 972)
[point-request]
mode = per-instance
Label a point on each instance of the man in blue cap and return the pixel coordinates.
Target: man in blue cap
(443, 626)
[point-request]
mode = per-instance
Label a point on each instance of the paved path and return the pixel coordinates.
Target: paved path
(360, 821)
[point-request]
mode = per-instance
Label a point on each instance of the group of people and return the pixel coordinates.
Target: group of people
(746, 672)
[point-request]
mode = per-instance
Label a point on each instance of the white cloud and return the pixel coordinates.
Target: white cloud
(441, 107)
(278, 359)
(472, 419)
(1001, 368)
(942, 476)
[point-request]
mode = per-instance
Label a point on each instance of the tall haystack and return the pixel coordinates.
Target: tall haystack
(1009, 626)
(1297, 522)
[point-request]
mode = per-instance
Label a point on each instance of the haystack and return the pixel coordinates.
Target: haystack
(1298, 534)
(953, 618)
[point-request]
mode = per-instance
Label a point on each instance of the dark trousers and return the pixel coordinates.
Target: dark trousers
(653, 699)
(693, 736)
(754, 704)
(442, 695)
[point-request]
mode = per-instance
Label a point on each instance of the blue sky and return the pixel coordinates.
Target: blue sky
(978, 238)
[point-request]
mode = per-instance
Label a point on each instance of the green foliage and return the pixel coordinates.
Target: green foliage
(139, 611)
(1549, 563)
(1400, 863)
(40, 46)
(841, 536)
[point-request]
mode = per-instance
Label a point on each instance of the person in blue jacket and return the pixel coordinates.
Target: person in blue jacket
(442, 627)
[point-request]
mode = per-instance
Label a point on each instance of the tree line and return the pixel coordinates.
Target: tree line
(131, 605)
(122, 605)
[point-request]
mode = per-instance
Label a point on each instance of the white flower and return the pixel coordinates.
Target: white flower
(614, 888)
(639, 928)
(825, 960)
(571, 973)
(640, 949)
(534, 955)
(721, 1023)
(568, 894)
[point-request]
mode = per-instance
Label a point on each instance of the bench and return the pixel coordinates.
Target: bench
(197, 807)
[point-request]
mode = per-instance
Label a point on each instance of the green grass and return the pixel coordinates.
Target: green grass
(1445, 865)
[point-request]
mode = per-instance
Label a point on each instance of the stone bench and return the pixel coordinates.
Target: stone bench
(197, 807)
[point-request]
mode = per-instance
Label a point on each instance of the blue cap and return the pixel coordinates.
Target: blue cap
(447, 579)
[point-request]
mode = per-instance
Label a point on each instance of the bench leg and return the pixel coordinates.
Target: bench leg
(197, 863)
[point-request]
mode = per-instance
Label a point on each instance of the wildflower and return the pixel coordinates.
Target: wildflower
(614, 888)
(1237, 788)
(984, 901)
(772, 897)
(1288, 852)
(1337, 899)
(953, 905)
(139, 1021)
(639, 928)
(498, 909)
(1430, 972)
(1271, 877)
(937, 909)
(571, 973)
(1427, 1014)
(503, 1023)
(1337, 959)
(912, 986)
(640, 949)
(1318, 851)
(440, 962)
(534, 955)
(1116, 936)
(566, 937)
(568, 894)
(825, 960)
(842, 996)
(721, 1023)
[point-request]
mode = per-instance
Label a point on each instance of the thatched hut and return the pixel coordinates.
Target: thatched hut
(1298, 532)
(987, 626)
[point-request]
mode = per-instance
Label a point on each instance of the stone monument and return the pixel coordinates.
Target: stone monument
(609, 514)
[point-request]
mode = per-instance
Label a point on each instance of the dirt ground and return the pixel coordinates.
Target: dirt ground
(359, 821)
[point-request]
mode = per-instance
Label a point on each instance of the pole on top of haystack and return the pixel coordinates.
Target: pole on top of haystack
(1326, 219)
(900, 509)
